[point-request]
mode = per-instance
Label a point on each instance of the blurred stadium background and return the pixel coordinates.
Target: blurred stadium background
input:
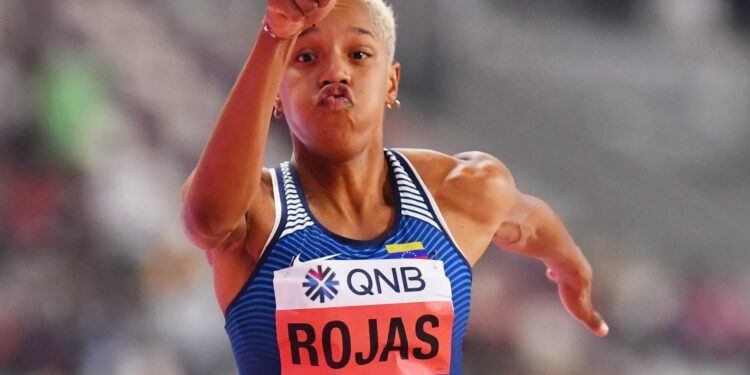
(631, 118)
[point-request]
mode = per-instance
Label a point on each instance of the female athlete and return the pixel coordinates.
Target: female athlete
(352, 258)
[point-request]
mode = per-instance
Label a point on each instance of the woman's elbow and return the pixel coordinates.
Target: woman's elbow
(203, 229)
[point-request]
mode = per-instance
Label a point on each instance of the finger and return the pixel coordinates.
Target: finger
(282, 26)
(324, 7)
(307, 6)
(287, 8)
(597, 325)
(577, 302)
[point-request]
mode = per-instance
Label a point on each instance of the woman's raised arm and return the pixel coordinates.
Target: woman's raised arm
(222, 187)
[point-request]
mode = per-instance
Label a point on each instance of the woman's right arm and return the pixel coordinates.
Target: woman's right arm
(223, 186)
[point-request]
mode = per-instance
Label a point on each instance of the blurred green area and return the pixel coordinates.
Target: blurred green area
(71, 100)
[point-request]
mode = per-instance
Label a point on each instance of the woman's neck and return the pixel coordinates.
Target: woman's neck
(346, 193)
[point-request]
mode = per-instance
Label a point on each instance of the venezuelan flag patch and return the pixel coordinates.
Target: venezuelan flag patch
(411, 250)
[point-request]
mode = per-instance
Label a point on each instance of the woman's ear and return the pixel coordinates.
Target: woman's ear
(394, 75)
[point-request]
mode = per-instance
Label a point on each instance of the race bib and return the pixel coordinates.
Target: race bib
(389, 316)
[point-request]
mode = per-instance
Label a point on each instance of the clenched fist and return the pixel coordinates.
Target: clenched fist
(287, 18)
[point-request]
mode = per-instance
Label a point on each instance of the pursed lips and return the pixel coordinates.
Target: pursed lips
(335, 95)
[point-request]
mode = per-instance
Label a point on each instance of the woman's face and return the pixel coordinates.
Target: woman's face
(338, 82)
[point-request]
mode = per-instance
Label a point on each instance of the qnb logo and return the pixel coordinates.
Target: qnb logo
(321, 284)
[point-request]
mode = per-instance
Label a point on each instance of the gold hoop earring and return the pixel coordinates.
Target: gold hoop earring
(278, 113)
(395, 105)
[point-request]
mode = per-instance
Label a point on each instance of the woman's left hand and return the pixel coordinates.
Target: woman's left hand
(575, 293)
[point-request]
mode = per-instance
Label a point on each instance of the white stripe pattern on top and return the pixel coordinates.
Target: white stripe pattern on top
(297, 218)
(412, 202)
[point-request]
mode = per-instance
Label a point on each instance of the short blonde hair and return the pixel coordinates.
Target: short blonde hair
(385, 22)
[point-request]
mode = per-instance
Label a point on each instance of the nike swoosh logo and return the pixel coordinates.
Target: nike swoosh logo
(297, 262)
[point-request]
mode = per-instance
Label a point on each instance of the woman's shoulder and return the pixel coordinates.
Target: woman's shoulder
(462, 168)
(467, 181)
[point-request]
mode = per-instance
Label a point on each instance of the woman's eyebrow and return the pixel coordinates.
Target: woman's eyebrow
(307, 31)
(355, 29)
(362, 31)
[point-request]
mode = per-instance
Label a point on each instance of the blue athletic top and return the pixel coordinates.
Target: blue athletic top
(298, 236)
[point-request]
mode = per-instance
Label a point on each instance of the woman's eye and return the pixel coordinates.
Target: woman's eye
(305, 57)
(360, 55)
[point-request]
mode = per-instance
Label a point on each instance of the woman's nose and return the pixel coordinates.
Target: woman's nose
(337, 72)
